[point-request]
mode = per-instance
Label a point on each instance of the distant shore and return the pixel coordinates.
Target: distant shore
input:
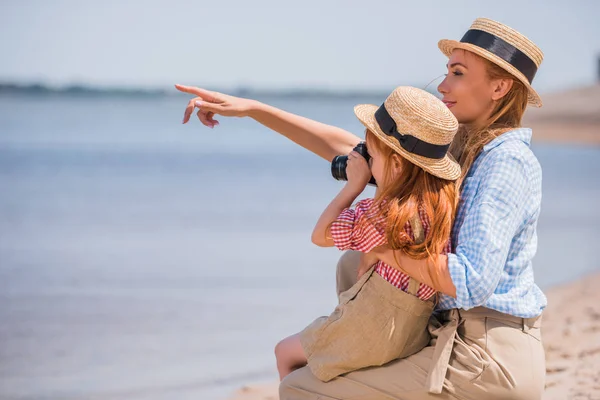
(571, 116)
(86, 90)
(571, 335)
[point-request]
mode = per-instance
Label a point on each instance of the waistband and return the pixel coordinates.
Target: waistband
(483, 312)
(448, 332)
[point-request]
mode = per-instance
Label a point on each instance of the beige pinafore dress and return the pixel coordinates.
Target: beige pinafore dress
(374, 323)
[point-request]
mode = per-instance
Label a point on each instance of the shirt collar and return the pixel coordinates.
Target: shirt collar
(522, 134)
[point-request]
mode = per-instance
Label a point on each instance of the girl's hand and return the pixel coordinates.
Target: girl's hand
(210, 104)
(358, 171)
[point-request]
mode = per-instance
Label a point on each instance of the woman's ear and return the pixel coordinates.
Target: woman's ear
(501, 87)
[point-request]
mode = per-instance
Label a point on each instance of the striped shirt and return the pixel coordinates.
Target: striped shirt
(363, 229)
(495, 230)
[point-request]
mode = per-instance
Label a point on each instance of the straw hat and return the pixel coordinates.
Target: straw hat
(418, 126)
(504, 47)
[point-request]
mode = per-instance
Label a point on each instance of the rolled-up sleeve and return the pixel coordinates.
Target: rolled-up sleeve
(486, 234)
(359, 228)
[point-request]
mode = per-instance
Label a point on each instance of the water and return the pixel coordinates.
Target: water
(145, 259)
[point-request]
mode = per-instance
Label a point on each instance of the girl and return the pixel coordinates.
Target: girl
(407, 138)
(486, 341)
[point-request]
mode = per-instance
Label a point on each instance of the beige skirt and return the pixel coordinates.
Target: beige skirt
(374, 323)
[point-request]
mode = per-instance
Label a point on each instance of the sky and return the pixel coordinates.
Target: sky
(271, 44)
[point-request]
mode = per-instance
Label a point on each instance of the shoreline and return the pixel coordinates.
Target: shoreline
(571, 336)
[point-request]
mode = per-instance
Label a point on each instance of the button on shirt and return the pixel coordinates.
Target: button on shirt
(494, 234)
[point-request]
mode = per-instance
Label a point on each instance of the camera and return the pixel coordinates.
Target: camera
(338, 165)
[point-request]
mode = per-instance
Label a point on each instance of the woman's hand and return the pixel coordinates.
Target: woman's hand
(210, 104)
(357, 171)
(324, 140)
(431, 271)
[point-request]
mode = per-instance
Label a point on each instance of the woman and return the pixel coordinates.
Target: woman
(486, 339)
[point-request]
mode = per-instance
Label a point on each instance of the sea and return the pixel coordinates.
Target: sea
(141, 258)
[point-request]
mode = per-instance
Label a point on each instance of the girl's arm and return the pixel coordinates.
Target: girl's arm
(321, 235)
(359, 174)
(324, 140)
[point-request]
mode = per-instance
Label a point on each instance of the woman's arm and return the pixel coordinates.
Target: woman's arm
(324, 140)
(471, 274)
(421, 270)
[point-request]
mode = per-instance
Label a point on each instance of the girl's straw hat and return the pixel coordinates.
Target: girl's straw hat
(418, 126)
(504, 47)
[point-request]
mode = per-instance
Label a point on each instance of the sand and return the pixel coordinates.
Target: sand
(571, 335)
(571, 116)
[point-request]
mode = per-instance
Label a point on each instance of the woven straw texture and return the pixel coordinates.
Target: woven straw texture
(509, 35)
(422, 115)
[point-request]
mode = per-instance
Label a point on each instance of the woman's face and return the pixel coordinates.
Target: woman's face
(467, 88)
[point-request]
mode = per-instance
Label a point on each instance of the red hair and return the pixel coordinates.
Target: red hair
(412, 190)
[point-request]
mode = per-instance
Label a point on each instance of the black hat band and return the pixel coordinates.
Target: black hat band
(408, 142)
(502, 49)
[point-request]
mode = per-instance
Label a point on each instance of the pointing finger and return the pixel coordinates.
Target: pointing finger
(202, 93)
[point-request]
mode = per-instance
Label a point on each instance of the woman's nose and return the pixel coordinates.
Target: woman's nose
(443, 86)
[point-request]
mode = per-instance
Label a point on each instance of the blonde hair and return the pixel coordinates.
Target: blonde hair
(506, 115)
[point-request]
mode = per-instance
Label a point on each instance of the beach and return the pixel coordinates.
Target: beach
(571, 336)
(146, 259)
(567, 116)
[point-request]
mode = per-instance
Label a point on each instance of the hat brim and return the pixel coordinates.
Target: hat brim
(445, 168)
(447, 46)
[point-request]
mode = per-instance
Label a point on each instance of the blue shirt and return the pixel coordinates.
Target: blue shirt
(494, 233)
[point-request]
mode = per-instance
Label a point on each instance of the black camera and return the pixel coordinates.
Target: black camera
(338, 165)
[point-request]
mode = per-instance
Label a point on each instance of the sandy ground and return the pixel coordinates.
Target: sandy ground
(570, 116)
(571, 335)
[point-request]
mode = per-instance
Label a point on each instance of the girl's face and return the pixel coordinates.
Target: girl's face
(468, 91)
(376, 163)
(378, 166)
